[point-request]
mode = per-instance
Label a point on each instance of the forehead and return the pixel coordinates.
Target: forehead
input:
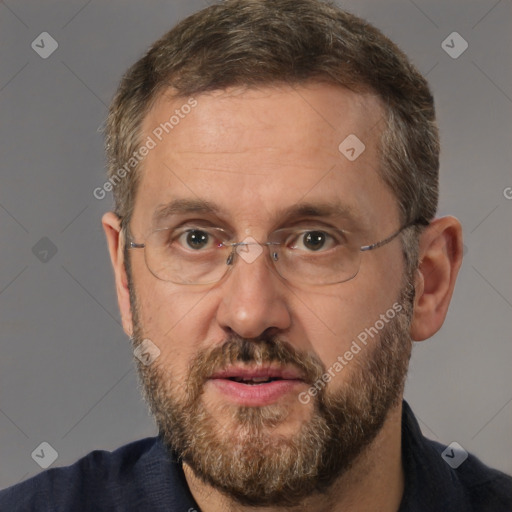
(260, 151)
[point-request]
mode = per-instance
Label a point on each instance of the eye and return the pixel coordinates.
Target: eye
(197, 239)
(312, 241)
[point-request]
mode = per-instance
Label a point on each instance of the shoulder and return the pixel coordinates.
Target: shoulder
(487, 489)
(117, 480)
(440, 477)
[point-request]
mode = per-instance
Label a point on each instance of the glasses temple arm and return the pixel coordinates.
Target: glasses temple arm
(420, 221)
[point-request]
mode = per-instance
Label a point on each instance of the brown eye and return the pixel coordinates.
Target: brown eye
(314, 240)
(196, 239)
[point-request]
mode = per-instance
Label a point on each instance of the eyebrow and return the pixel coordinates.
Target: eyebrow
(324, 209)
(184, 206)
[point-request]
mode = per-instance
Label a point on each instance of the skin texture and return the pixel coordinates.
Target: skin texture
(255, 153)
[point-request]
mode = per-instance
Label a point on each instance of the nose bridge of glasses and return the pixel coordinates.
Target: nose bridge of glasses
(250, 249)
(250, 270)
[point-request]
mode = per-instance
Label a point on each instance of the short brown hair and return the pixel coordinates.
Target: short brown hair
(259, 42)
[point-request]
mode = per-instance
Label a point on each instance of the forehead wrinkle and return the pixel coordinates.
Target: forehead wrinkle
(225, 152)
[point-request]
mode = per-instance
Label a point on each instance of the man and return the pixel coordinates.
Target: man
(275, 248)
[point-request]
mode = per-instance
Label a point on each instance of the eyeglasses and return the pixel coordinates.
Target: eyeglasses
(196, 255)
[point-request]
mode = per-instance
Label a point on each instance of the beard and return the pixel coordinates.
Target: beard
(238, 450)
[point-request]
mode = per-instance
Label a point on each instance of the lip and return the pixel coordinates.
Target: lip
(256, 394)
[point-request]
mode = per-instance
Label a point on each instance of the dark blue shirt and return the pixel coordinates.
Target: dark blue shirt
(141, 476)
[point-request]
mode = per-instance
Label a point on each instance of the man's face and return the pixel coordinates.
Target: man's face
(254, 155)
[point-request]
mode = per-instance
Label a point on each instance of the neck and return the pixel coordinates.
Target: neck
(374, 482)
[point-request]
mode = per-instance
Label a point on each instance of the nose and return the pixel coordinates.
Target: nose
(254, 298)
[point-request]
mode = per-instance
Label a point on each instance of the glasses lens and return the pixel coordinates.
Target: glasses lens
(341, 266)
(202, 256)
(190, 257)
(316, 257)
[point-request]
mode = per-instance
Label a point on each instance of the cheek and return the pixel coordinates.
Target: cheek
(176, 321)
(331, 321)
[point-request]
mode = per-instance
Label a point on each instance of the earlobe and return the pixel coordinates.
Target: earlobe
(440, 258)
(115, 240)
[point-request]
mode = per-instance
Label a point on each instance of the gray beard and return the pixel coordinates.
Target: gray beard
(246, 460)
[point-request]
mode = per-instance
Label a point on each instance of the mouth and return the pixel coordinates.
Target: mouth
(256, 386)
(253, 381)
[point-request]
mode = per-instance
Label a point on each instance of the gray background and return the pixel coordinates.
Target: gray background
(66, 375)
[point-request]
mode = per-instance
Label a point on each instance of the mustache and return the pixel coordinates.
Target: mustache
(266, 349)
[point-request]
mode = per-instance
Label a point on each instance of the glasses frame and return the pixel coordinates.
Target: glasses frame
(274, 256)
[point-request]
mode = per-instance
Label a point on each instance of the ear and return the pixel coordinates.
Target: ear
(440, 258)
(115, 240)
